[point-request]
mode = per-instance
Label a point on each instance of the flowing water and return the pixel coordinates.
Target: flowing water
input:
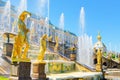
(6, 17)
(85, 45)
(61, 34)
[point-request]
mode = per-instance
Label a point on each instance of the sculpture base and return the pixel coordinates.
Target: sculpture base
(7, 48)
(24, 78)
(13, 78)
(24, 60)
(20, 60)
(24, 71)
(35, 69)
(39, 70)
(14, 69)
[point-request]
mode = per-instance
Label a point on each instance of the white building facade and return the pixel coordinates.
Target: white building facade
(37, 25)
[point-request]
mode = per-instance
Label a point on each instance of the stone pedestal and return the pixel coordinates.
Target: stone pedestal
(41, 71)
(35, 70)
(24, 70)
(35, 67)
(14, 69)
(7, 48)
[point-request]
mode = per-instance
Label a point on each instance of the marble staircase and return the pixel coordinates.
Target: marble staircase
(4, 66)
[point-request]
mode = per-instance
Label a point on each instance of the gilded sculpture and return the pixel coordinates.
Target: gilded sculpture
(50, 38)
(99, 60)
(57, 44)
(42, 47)
(99, 56)
(21, 40)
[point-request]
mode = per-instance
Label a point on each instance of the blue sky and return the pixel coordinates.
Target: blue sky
(100, 15)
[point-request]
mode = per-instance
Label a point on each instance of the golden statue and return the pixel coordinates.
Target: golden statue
(57, 44)
(99, 60)
(15, 52)
(109, 56)
(99, 57)
(55, 67)
(42, 47)
(21, 40)
(50, 38)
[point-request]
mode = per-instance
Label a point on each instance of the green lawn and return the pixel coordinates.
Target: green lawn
(3, 78)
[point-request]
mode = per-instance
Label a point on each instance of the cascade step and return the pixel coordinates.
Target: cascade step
(56, 66)
(48, 55)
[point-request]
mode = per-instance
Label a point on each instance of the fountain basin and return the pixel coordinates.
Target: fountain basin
(76, 75)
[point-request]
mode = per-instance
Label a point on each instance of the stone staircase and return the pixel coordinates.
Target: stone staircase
(54, 63)
(58, 59)
(113, 74)
(58, 67)
(4, 66)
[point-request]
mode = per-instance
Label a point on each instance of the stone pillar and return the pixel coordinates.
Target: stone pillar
(7, 49)
(24, 71)
(35, 70)
(41, 71)
(14, 69)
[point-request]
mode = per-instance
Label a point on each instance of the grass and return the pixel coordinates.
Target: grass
(3, 78)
